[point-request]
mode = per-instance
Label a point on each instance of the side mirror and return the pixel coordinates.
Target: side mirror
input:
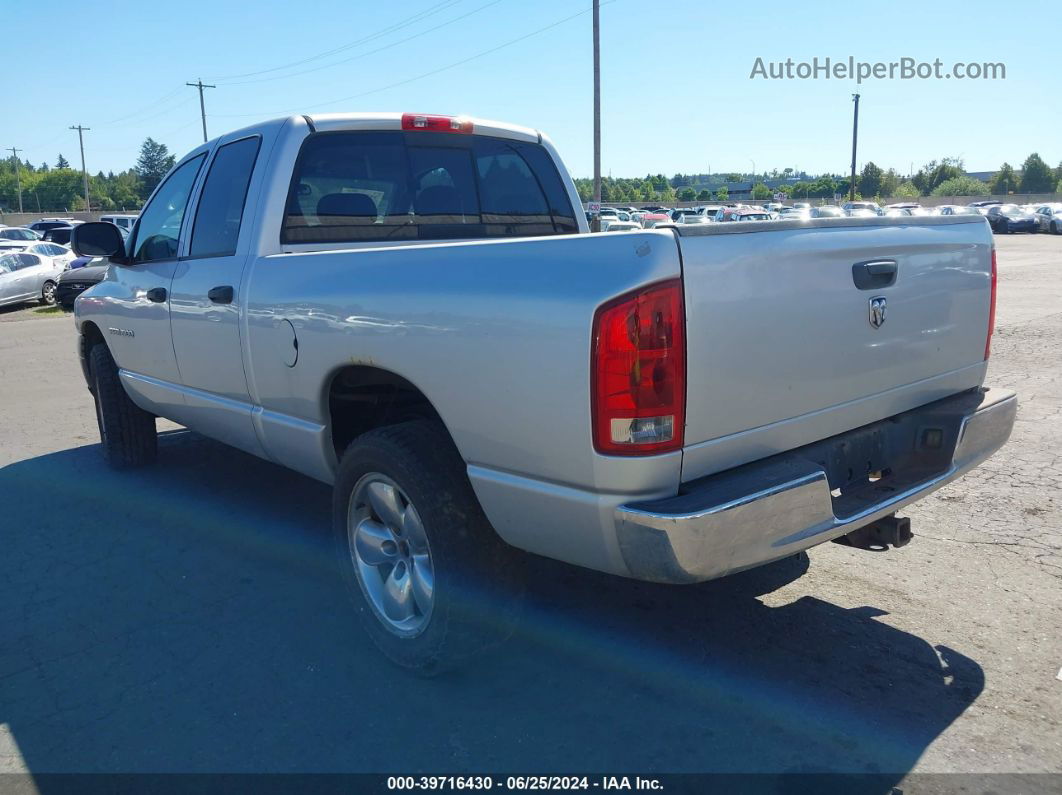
(98, 239)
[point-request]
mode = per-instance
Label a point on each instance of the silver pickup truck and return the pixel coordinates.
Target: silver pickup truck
(410, 308)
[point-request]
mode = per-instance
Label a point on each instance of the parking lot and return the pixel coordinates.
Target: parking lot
(186, 617)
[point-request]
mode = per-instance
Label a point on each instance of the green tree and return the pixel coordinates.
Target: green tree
(722, 194)
(870, 180)
(61, 162)
(687, 195)
(761, 191)
(907, 190)
(154, 161)
(933, 173)
(704, 196)
(800, 190)
(1004, 181)
(890, 181)
(961, 186)
(1036, 175)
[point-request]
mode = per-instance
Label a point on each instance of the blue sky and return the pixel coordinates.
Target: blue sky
(676, 92)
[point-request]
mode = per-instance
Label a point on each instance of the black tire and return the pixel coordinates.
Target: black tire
(127, 432)
(478, 579)
(48, 293)
(1054, 228)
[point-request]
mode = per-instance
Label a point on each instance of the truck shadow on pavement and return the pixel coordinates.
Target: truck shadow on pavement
(187, 618)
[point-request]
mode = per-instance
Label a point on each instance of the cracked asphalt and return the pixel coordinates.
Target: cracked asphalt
(186, 617)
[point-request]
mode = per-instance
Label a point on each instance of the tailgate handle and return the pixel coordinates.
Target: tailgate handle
(875, 274)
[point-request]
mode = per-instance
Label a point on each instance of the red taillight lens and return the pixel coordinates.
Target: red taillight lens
(638, 372)
(422, 121)
(991, 308)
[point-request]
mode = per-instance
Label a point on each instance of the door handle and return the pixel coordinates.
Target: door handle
(221, 295)
(874, 274)
(156, 295)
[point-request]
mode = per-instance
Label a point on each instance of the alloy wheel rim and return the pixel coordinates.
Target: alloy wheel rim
(390, 554)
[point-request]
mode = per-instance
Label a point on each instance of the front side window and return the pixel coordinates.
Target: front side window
(160, 223)
(217, 220)
(7, 263)
(373, 186)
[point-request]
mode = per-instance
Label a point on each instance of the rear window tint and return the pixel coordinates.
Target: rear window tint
(374, 186)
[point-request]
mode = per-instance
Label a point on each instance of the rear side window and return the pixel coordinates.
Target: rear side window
(373, 186)
(217, 220)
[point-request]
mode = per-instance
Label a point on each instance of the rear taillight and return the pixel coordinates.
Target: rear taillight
(991, 308)
(422, 121)
(638, 372)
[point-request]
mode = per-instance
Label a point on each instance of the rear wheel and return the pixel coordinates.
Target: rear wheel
(1054, 228)
(429, 578)
(48, 294)
(127, 432)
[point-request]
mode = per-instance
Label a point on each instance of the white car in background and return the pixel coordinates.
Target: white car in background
(1049, 218)
(60, 255)
(16, 238)
(26, 276)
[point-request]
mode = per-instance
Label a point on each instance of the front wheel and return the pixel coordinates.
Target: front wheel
(48, 294)
(1054, 228)
(127, 432)
(429, 578)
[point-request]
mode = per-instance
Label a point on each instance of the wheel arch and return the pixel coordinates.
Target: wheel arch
(361, 397)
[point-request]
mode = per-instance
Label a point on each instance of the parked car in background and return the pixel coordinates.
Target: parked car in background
(801, 205)
(897, 212)
(19, 234)
(60, 254)
(742, 214)
(75, 281)
(623, 226)
(692, 219)
(827, 211)
(861, 212)
(652, 220)
(121, 221)
(956, 209)
(794, 213)
(1007, 218)
(44, 224)
(58, 234)
(861, 205)
(681, 211)
(984, 206)
(26, 277)
(1049, 218)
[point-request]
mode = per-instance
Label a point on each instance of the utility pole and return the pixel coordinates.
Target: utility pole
(595, 225)
(202, 108)
(855, 135)
(18, 179)
(84, 173)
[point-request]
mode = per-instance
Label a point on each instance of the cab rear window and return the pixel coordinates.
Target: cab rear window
(377, 186)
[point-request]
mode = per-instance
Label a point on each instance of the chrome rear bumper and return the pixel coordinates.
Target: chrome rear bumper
(781, 505)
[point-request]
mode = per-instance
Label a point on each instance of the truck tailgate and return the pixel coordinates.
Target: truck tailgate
(784, 344)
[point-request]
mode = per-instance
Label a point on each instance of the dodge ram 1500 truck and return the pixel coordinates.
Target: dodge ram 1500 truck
(411, 308)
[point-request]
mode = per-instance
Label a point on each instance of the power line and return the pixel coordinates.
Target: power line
(202, 108)
(433, 72)
(370, 52)
(396, 26)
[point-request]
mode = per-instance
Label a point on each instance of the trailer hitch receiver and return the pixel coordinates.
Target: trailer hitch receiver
(892, 530)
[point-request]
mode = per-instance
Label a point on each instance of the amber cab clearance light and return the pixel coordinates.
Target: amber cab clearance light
(429, 123)
(638, 372)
